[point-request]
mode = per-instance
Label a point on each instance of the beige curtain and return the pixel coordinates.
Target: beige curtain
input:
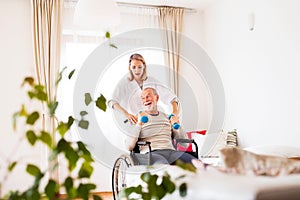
(171, 21)
(46, 38)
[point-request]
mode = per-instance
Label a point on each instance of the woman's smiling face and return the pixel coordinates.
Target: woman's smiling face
(137, 69)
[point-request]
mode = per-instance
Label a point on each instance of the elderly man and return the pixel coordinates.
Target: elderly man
(158, 130)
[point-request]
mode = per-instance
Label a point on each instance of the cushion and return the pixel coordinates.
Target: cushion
(231, 138)
(240, 161)
(275, 150)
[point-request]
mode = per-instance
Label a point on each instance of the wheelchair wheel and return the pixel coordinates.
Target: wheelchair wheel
(119, 174)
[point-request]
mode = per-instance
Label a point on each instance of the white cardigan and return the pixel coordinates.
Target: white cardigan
(128, 94)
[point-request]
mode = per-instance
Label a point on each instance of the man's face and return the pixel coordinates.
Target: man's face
(149, 100)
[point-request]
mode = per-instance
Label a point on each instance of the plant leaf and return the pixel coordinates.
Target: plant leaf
(28, 80)
(71, 191)
(83, 124)
(113, 45)
(84, 190)
(168, 185)
(186, 166)
(70, 153)
(59, 76)
(23, 111)
(72, 158)
(88, 99)
(101, 102)
(33, 170)
(51, 189)
(52, 107)
(39, 93)
(12, 166)
(71, 74)
(70, 121)
(16, 115)
(107, 35)
(46, 138)
(68, 183)
(125, 193)
(146, 176)
(32, 193)
(62, 128)
(85, 170)
(183, 190)
(31, 137)
(96, 197)
(83, 113)
(86, 154)
(31, 119)
(82, 147)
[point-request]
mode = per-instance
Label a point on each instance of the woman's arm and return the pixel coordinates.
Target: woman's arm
(175, 108)
(132, 138)
(131, 118)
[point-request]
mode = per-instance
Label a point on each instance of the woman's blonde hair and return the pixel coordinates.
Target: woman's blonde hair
(138, 57)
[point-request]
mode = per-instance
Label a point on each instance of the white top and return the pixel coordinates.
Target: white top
(128, 94)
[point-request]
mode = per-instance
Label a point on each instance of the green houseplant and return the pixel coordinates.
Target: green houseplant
(78, 157)
(156, 187)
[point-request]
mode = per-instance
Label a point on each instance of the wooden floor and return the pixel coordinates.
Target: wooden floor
(106, 195)
(103, 195)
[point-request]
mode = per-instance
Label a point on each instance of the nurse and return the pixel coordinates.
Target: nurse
(127, 95)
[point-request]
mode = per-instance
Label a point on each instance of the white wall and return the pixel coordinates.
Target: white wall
(259, 69)
(16, 62)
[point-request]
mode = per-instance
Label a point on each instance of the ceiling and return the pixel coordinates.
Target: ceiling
(193, 4)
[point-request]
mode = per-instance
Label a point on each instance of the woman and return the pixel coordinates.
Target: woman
(126, 97)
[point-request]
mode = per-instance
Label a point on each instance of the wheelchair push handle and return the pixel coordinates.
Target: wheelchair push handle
(175, 125)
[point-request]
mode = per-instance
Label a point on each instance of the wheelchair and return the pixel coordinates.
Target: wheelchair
(125, 161)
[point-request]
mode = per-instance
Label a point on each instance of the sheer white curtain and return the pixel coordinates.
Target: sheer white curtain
(76, 45)
(147, 17)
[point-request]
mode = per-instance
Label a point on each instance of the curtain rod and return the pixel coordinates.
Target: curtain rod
(72, 3)
(137, 5)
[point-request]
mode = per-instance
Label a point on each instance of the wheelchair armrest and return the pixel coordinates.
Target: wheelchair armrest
(181, 140)
(188, 141)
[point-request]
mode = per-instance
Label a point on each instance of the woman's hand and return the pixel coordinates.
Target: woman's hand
(132, 119)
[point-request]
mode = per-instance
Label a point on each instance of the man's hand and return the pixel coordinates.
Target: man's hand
(142, 118)
(174, 119)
